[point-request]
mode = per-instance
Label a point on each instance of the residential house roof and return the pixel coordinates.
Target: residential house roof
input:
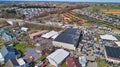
(72, 62)
(9, 52)
(16, 63)
(31, 52)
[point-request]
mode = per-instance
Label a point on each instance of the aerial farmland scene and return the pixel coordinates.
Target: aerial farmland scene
(59, 33)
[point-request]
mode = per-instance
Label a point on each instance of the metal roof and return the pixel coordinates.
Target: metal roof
(58, 56)
(108, 37)
(49, 34)
(70, 35)
(113, 52)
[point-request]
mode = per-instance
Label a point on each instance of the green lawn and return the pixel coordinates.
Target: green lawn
(64, 65)
(101, 63)
(21, 47)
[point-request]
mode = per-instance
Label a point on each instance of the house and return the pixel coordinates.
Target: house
(68, 39)
(25, 29)
(17, 63)
(57, 57)
(13, 23)
(9, 52)
(3, 30)
(31, 55)
(37, 34)
(72, 62)
(1, 59)
(6, 35)
(83, 61)
(112, 54)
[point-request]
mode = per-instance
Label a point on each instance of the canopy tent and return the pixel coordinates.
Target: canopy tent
(53, 37)
(118, 43)
(108, 37)
(83, 61)
(49, 34)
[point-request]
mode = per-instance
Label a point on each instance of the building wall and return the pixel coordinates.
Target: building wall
(52, 62)
(64, 45)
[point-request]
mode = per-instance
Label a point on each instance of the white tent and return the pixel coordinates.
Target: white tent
(20, 61)
(108, 37)
(83, 61)
(49, 34)
(57, 57)
(11, 23)
(53, 37)
(24, 29)
(118, 43)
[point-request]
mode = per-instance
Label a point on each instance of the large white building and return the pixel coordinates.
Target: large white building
(69, 39)
(57, 57)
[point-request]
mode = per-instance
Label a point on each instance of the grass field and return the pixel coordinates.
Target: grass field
(21, 47)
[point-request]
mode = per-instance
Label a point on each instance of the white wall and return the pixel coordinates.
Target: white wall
(64, 45)
(52, 62)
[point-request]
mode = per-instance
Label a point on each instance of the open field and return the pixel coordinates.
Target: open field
(104, 7)
(66, 5)
(112, 11)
